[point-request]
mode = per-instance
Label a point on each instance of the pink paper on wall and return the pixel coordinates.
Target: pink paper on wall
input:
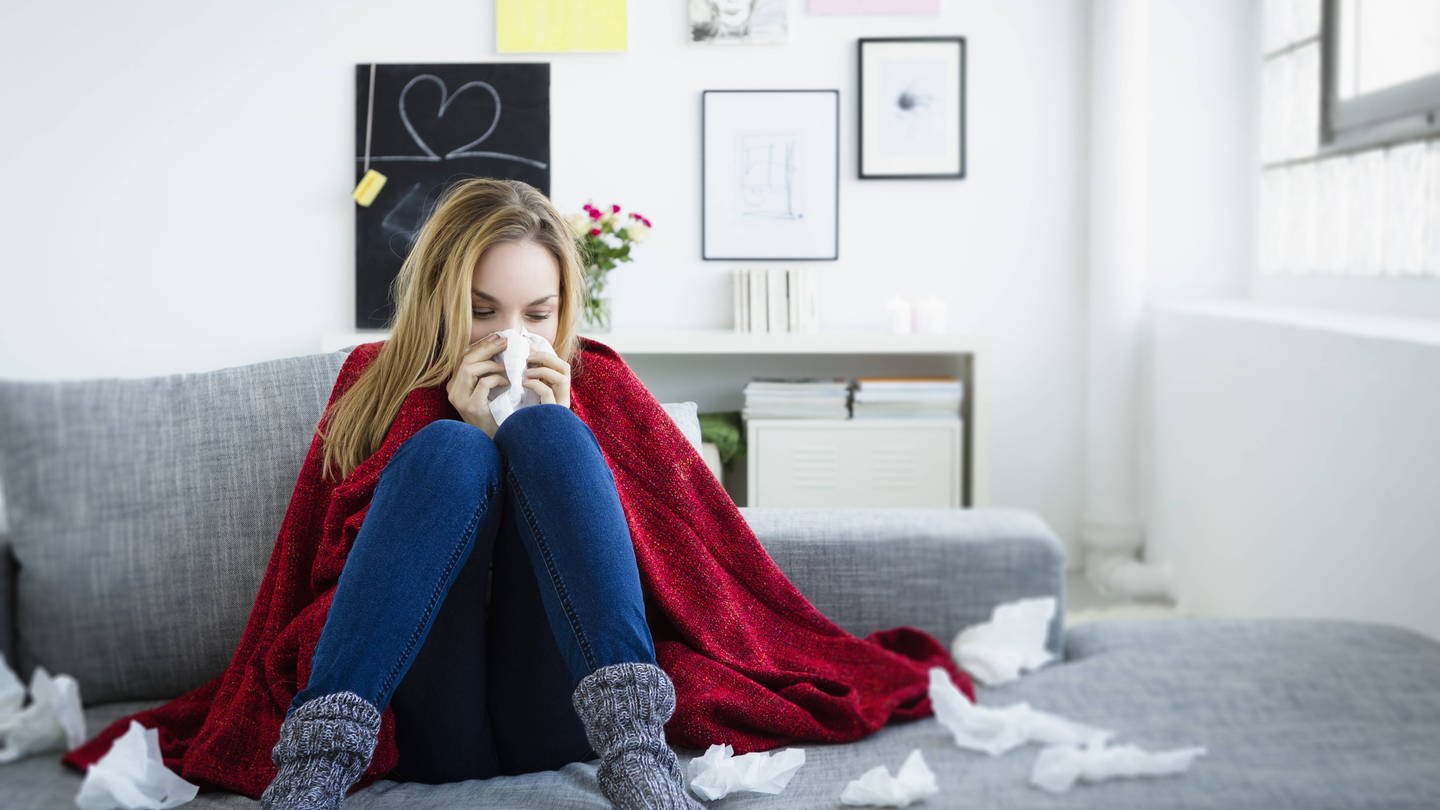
(874, 6)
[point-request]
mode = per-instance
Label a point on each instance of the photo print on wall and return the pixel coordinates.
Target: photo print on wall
(739, 22)
(912, 107)
(431, 125)
(874, 7)
(770, 174)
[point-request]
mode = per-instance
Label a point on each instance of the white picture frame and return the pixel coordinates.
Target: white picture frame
(770, 175)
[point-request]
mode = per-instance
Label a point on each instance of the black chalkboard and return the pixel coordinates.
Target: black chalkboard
(434, 125)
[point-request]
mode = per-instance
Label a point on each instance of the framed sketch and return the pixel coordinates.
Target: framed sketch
(912, 107)
(770, 174)
(739, 22)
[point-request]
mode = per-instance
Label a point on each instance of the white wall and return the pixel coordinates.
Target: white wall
(1295, 463)
(175, 179)
(1171, 217)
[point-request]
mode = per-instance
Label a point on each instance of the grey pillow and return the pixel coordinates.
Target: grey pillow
(687, 417)
(142, 513)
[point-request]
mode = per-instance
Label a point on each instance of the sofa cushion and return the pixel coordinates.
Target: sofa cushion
(1296, 714)
(142, 513)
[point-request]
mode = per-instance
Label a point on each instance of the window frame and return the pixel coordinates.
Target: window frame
(1399, 114)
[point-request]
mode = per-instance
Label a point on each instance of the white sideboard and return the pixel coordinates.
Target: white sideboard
(854, 462)
(712, 367)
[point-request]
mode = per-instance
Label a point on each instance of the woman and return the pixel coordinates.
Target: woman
(482, 671)
(451, 599)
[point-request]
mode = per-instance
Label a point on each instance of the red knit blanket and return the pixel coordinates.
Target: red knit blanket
(755, 665)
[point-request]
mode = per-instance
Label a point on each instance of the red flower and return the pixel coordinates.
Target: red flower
(594, 231)
(594, 213)
(614, 209)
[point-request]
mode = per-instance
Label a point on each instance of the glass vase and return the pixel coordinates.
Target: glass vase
(597, 315)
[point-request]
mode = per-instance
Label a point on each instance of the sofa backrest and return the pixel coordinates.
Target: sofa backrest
(141, 514)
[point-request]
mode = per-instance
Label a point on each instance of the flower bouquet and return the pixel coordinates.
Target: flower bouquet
(605, 239)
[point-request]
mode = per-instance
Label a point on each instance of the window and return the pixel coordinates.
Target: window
(1350, 185)
(1381, 72)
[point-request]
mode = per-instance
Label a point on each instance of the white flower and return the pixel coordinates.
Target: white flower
(637, 232)
(580, 221)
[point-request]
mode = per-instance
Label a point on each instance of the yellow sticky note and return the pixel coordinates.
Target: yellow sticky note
(551, 26)
(368, 187)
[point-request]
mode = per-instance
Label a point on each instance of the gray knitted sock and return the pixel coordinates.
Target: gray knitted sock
(624, 708)
(324, 747)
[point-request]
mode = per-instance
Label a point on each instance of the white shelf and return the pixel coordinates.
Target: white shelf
(724, 342)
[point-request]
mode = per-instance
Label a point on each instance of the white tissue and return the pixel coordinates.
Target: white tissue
(1014, 639)
(518, 346)
(913, 782)
(54, 720)
(718, 773)
(132, 776)
(1058, 767)
(995, 731)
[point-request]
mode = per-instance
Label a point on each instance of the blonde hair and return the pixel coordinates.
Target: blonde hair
(430, 331)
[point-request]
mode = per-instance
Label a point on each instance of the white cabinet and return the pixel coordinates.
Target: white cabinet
(854, 462)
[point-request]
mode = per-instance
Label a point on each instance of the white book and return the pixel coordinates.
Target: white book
(775, 285)
(798, 289)
(759, 323)
(792, 299)
(737, 314)
(812, 300)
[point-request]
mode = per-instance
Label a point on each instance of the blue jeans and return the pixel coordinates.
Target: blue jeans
(479, 670)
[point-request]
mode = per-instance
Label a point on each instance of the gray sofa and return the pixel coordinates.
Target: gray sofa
(141, 514)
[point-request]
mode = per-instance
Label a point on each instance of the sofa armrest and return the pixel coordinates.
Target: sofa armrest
(8, 573)
(939, 570)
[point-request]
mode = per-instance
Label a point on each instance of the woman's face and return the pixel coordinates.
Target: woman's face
(515, 284)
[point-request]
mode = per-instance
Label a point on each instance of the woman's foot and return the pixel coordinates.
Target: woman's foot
(624, 708)
(324, 747)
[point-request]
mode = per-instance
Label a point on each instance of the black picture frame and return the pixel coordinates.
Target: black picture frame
(768, 223)
(911, 108)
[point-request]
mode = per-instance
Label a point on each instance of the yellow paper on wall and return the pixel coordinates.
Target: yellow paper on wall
(550, 26)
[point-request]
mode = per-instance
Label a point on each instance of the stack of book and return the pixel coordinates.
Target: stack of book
(907, 397)
(773, 301)
(797, 398)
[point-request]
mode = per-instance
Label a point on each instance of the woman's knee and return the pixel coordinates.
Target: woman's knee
(448, 450)
(545, 422)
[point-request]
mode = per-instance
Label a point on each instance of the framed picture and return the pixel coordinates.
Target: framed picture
(770, 174)
(912, 107)
(739, 22)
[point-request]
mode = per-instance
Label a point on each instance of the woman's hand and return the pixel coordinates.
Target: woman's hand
(469, 387)
(549, 377)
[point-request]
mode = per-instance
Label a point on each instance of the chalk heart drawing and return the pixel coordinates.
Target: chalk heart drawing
(446, 99)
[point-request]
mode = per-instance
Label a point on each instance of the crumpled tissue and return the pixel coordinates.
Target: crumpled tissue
(718, 773)
(1058, 767)
(132, 776)
(1014, 639)
(876, 787)
(1063, 760)
(995, 731)
(54, 720)
(511, 398)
